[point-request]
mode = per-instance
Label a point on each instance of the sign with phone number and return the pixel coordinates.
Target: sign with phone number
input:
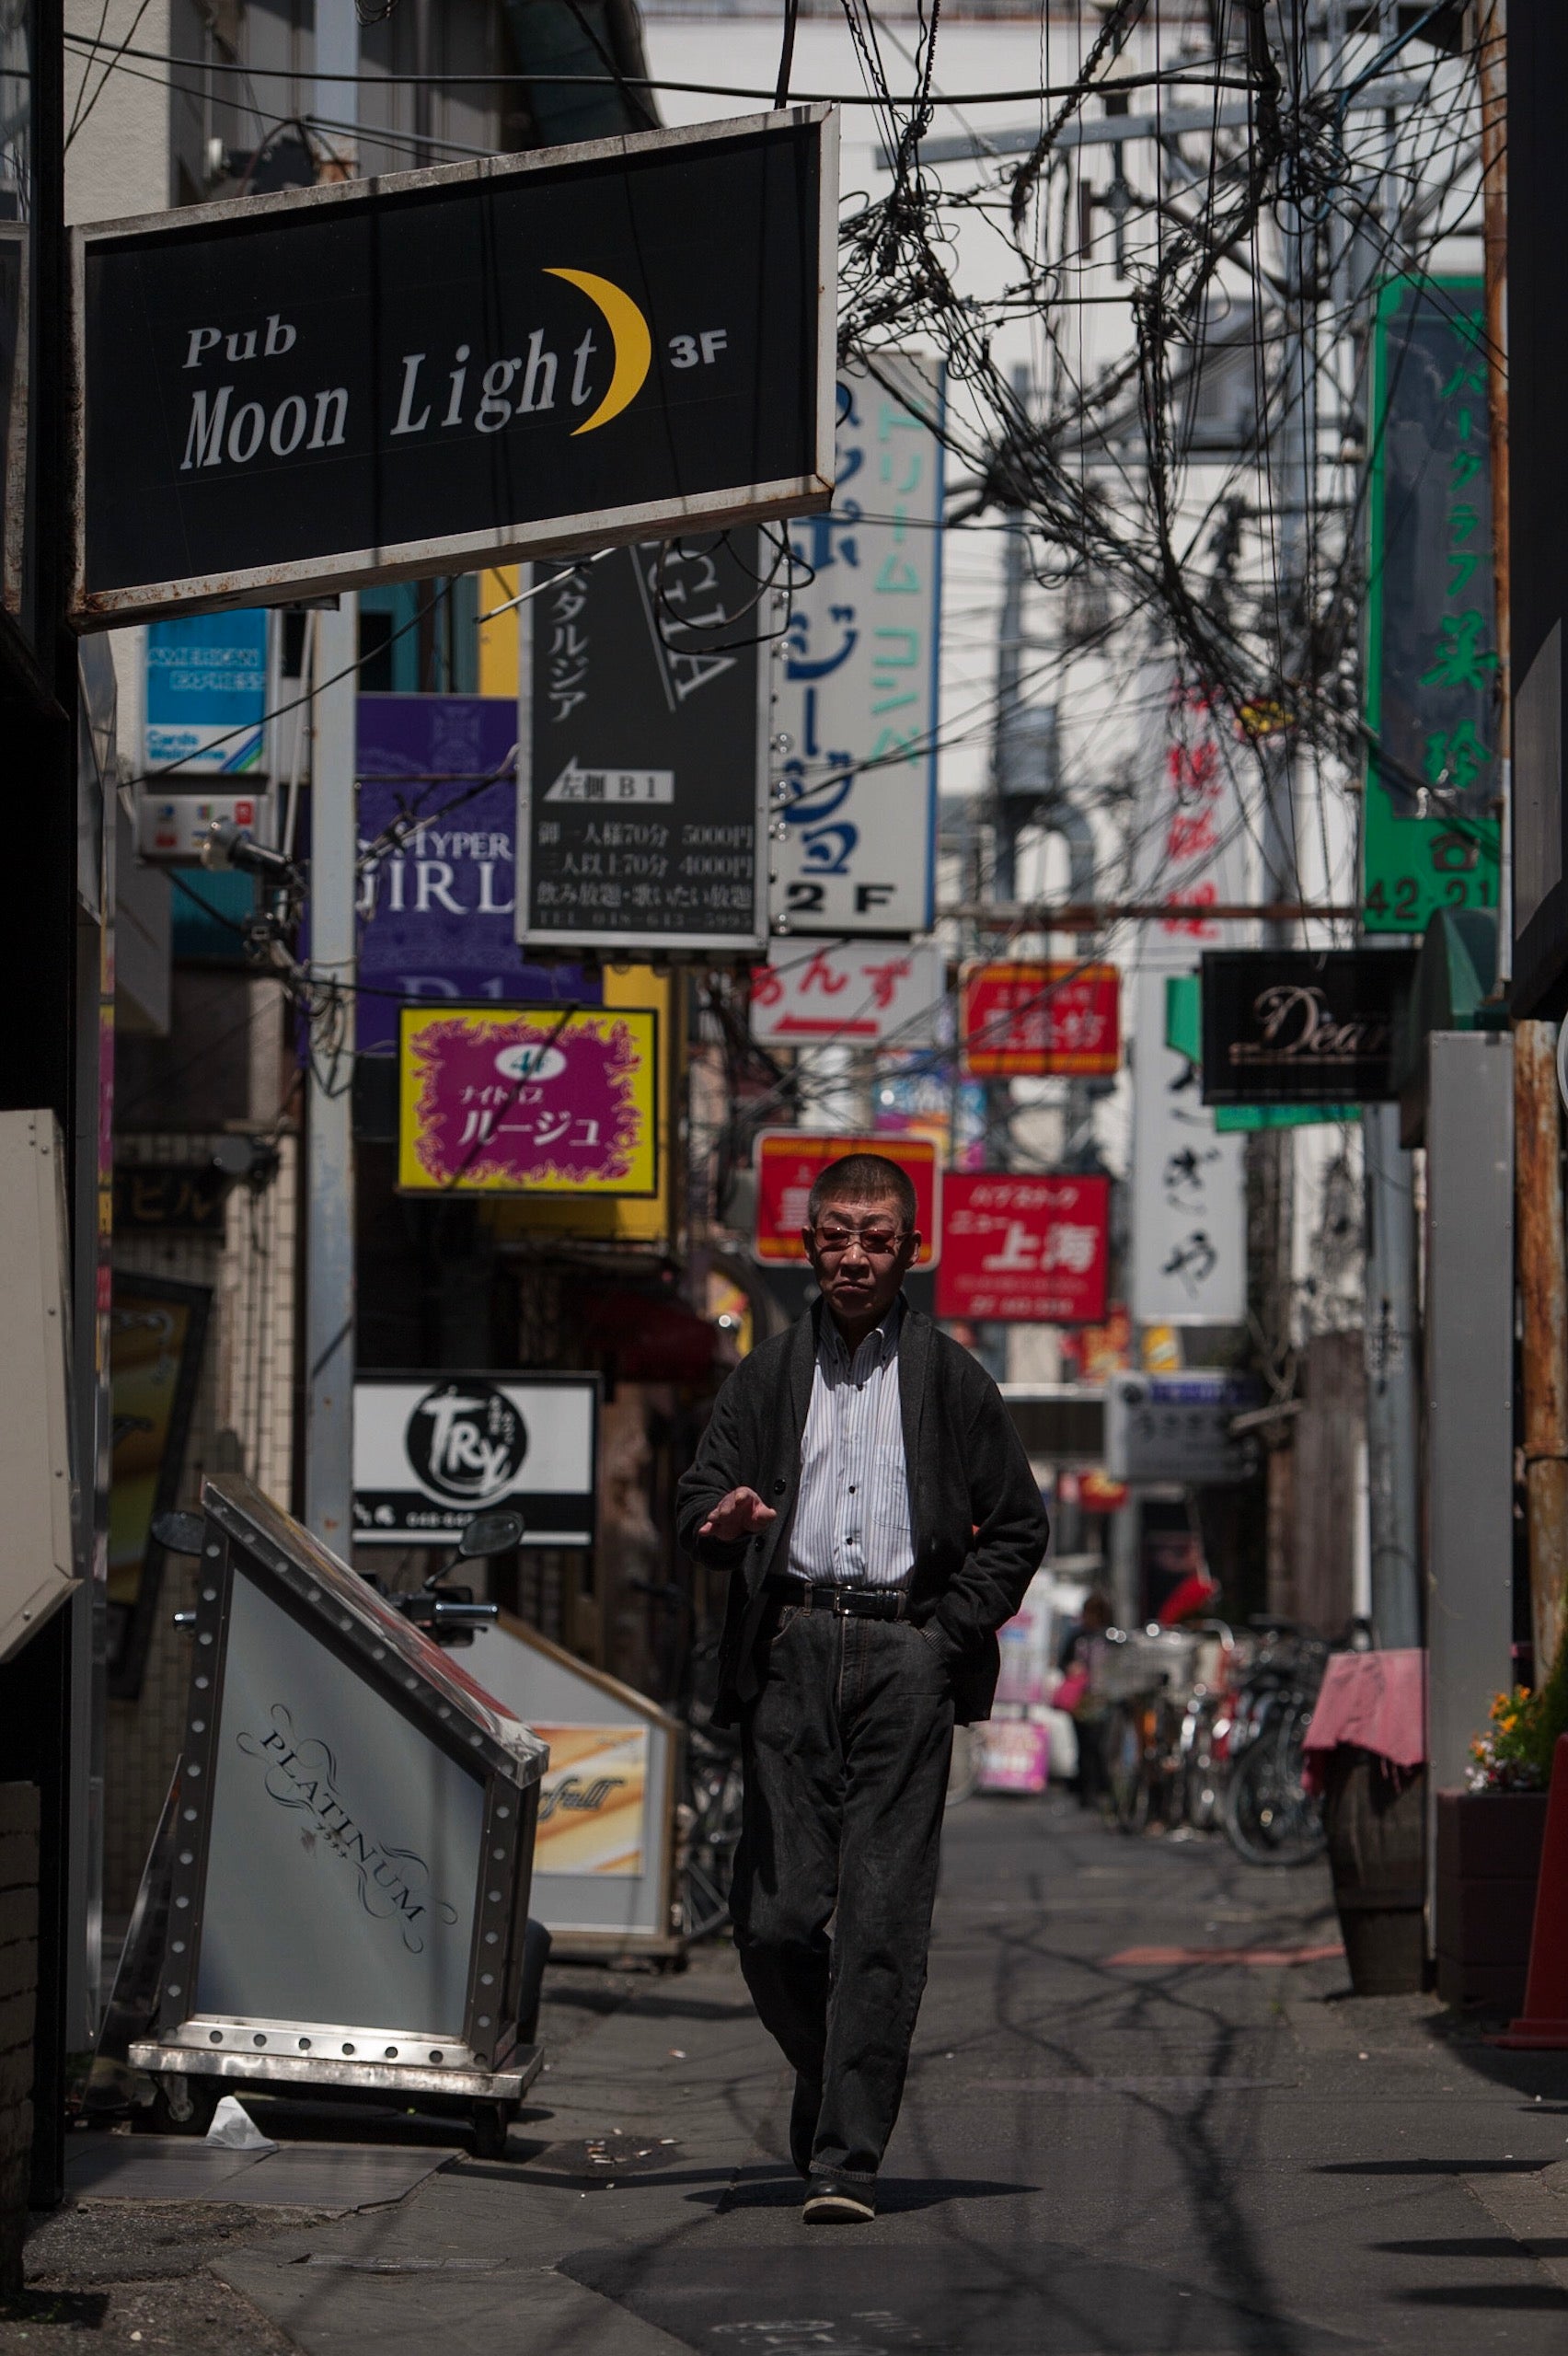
(1432, 837)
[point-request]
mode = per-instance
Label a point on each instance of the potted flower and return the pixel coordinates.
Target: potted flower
(1488, 1840)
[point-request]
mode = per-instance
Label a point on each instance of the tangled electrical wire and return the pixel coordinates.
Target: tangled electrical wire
(1286, 192)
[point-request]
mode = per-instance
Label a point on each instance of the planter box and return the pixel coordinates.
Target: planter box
(1488, 1863)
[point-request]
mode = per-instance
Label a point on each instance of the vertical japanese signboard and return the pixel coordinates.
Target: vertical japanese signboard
(643, 752)
(1432, 834)
(1194, 826)
(857, 687)
(1189, 1187)
(1018, 1249)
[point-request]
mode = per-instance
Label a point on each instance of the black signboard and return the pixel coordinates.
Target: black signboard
(642, 768)
(376, 379)
(1302, 1026)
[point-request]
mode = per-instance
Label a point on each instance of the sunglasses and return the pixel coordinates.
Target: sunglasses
(878, 1240)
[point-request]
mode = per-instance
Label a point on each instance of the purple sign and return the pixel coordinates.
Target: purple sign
(437, 916)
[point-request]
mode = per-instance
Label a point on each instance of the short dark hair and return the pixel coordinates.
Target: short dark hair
(871, 1175)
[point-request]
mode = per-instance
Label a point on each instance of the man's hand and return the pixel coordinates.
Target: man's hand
(740, 1515)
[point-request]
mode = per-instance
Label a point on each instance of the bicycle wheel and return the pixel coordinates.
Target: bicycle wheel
(1124, 1767)
(1204, 1772)
(709, 1829)
(1270, 1818)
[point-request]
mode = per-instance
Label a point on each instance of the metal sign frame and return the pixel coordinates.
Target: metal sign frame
(501, 544)
(730, 948)
(248, 1537)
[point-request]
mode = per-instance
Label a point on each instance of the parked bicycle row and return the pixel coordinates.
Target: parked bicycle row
(1205, 1726)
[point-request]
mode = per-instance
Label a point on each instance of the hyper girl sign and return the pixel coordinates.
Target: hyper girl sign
(528, 1100)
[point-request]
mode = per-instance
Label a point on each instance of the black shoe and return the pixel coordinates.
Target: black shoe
(803, 2123)
(830, 2202)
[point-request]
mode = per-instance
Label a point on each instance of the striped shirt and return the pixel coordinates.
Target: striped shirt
(853, 1525)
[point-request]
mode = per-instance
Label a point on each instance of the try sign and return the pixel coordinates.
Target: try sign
(1024, 1251)
(789, 1163)
(371, 380)
(1024, 1020)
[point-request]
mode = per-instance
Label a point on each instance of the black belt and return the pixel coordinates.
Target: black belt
(848, 1602)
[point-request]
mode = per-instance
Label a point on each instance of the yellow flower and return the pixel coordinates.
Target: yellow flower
(1510, 1723)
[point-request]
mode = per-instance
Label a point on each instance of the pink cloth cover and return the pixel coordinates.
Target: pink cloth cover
(1378, 1700)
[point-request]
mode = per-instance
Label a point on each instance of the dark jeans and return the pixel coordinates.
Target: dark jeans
(846, 1753)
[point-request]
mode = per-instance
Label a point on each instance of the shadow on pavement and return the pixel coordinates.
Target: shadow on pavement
(1050, 2300)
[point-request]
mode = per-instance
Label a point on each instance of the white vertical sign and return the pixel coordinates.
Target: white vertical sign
(1195, 827)
(1189, 1186)
(856, 677)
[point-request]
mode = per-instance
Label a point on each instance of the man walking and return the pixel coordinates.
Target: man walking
(861, 1481)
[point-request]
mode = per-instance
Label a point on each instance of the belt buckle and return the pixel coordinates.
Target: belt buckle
(842, 1602)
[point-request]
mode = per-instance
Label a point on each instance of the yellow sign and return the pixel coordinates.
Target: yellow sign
(591, 1800)
(528, 1100)
(613, 1218)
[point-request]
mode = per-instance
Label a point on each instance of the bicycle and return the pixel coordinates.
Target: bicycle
(1270, 1818)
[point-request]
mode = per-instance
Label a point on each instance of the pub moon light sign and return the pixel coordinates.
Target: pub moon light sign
(376, 379)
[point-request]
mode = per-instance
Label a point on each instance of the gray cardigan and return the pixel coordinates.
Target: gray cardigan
(980, 1529)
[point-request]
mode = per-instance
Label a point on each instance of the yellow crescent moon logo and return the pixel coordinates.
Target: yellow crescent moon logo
(634, 345)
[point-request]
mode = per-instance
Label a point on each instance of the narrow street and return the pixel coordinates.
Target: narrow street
(1094, 2155)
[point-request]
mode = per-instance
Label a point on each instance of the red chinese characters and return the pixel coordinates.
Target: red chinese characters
(1029, 1019)
(1024, 1251)
(789, 1162)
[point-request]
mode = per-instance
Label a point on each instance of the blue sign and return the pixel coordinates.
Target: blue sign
(438, 914)
(207, 694)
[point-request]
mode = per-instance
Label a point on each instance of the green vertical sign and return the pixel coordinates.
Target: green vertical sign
(1431, 837)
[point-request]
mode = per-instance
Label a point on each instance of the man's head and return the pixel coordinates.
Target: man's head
(860, 1237)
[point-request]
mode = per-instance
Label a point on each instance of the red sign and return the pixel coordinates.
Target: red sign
(790, 1161)
(1019, 1251)
(1028, 1019)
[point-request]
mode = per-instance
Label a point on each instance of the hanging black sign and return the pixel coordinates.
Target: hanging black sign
(376, 379)
(642, 764)
(1302, 1026)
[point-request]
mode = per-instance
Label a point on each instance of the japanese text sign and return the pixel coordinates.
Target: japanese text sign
(528, 1100)
(789, 1163)
(855, 995)
(1023, 1250)
(1432, 836)
(643, 736)
(1176, 1428)
(1189, 1187)
(437, 915)
(1024, 1020)
(1192, 828)
(388, 379)
(857, 683)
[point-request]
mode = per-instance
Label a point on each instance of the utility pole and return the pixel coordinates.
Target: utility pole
(1392, 1349)
(329, 1144)
(334, 892)
(1538, 1119)
(1543, 1324)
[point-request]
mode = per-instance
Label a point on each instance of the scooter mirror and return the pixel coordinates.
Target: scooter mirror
(181, 1533)
(491, 1534)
